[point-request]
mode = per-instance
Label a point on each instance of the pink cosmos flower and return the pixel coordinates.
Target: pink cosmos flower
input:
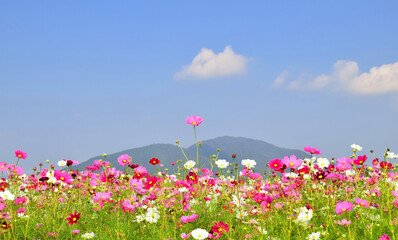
(343, 207)
(362, 203)
(185, 236)
(194, 120)
(21, 210)
(20, 154)
(101, 163)
(375, 162)
(384, 237)
(3, 166)
(15, 169)
(344, 222)
(20, 201)
(92, 168)
(76, 232)
(187, 219)
(124, 160)
(63, 176)
(292, 162)
(312, 150)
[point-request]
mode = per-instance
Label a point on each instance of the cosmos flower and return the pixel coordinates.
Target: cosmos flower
(20, 154)
(124, 160)
(73, 218)
(362, 203)
(154, 161)
(189, 164)
(312, 150)
(384, 237)
(314, 236)
(292, 162)
(199, 233)
(344, 222)
(88, 235)
(343, 207)
(222, 163)
(220, 228)
(249, 163)
(356, 147)
(194, 120)
(323, 162)
(275, 164)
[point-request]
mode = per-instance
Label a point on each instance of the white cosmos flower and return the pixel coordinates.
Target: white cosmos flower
(249, 163)
(241, 214)
(183, 190)
(152, 215)
(189, 164)
(392, 155)
(356, 147)
(62, 163)
(305, 215)
(222, 163)
(199, 233)
(7, 195)
(88, 235)
(323, 162)
(314, 236)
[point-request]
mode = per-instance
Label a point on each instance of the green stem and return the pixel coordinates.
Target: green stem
(182, 150)
(197, 146)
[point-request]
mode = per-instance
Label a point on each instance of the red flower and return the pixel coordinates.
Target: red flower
(275, 164)
(360, 160)
(73, 218)
(386, 165)
(3, 186)
(220, 228)
(192, 178)
(154, 161)
(150, 182)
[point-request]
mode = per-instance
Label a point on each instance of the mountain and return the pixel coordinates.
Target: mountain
(244, 148)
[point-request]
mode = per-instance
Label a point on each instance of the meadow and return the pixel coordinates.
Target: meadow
(353, 197)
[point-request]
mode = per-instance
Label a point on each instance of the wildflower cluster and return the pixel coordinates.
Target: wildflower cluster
(297, 197)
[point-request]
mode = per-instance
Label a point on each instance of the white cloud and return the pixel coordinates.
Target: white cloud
(378, 80)
(207, 64)
(280, 79)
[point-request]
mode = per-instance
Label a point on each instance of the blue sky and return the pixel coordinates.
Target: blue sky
(78, 79)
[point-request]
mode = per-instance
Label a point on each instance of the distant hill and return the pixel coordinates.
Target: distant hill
(244, 148)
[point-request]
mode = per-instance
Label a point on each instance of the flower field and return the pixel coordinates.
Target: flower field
(353, 197)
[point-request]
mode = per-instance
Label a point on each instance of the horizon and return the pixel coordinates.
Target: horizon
(79, 79)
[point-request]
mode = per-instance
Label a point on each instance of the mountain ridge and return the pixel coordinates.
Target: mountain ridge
(243, 147)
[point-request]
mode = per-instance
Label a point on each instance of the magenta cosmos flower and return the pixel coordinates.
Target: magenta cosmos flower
(312, 150)
(20, 154)
(275, 164)
(292, 162)
(194, 120)
(124, 160)
(384, 237)
(343, 207)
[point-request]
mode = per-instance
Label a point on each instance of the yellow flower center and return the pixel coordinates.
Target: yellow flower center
(193, 123)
